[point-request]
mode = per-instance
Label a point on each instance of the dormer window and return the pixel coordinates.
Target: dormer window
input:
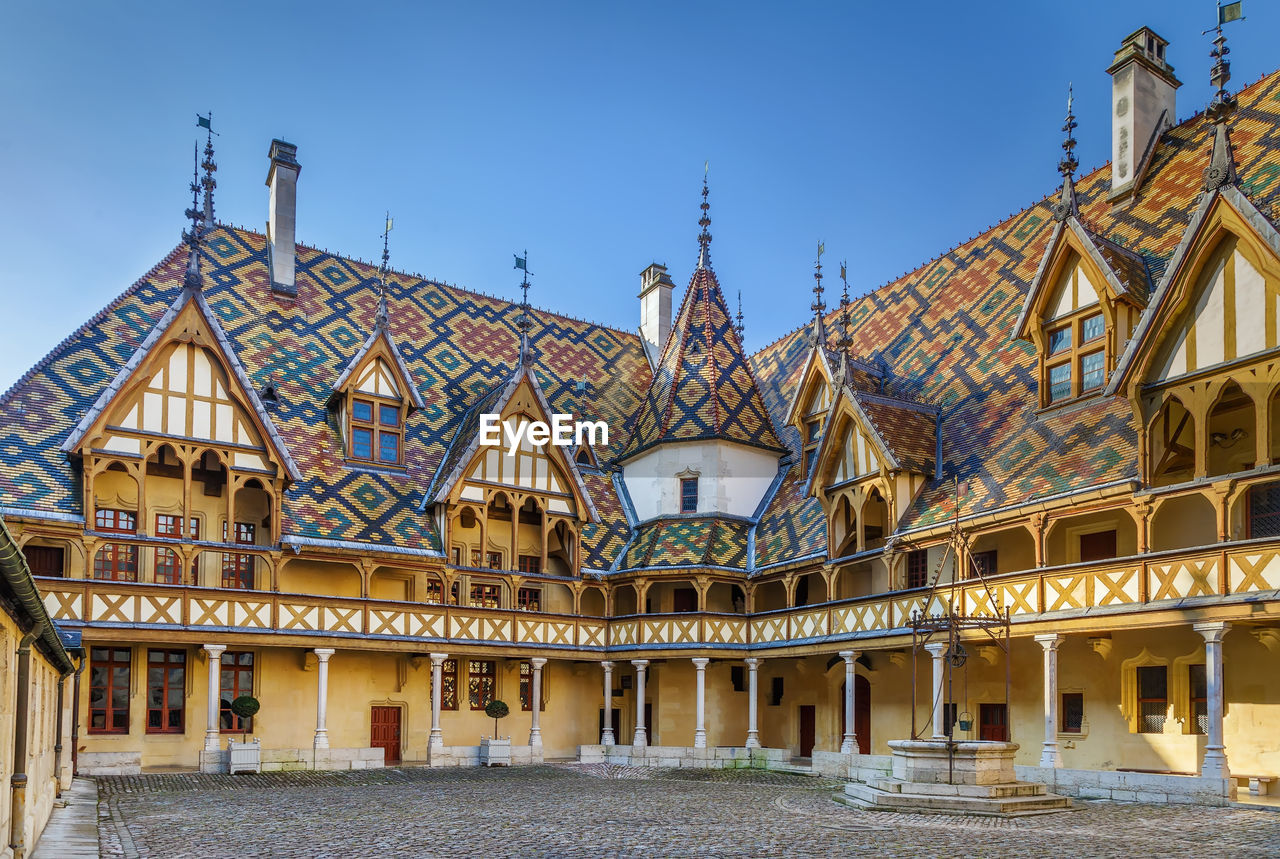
(375, 414)
(1077, 355)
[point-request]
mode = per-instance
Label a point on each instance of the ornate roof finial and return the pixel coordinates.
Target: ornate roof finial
(382, 320)
(210, 167)
(1222, 166)
(818, 336)
(525, 321)
(739, 327)
(704, 237)
(1066, 205)
(193, 280)
(846, 333)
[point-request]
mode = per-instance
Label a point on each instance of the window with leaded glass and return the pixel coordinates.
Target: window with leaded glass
(917, 568)
(435, 591)
(526, 688)
(116, 562)
(1264, 510)
(1072, 712)
(116, 521)
(1075, 359)
(482, 682)
(375, 431)
(449, 684)
(530, 564)
(109, 690)
(485, 596)
(529, 599)
(689, 495)
(1153, 698)
(237, 568)
(237, 681)
(166, 688)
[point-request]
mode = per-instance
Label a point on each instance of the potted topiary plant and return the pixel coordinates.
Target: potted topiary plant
(495, 751)
(245, 756)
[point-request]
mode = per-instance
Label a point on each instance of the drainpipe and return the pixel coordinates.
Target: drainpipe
(18, 782)
(57, 741)
(75, 715)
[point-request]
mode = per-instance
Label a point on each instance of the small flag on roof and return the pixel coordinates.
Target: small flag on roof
(1230, 12)
(522, 263)
(207, 121)
(390, 222)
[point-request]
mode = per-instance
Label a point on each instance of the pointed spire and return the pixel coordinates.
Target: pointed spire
(1222, 162)
(738, 326)
(524, 321)
(1066, 205)
(818, 337)
(382, 320)
(704, 237)
(210, 167)
(193, 280)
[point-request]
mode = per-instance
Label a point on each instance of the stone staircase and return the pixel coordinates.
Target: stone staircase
(1011, 799)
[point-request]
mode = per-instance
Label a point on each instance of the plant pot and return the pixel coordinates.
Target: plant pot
(244, 757)
(495, 752)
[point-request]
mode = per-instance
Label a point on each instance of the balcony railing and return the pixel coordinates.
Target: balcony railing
(1149, 582)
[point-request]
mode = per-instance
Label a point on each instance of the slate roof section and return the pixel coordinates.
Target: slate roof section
(907, 429)
(703, 387)
(705, 541)
(415, 399)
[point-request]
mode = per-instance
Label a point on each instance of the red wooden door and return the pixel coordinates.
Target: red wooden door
(808, 720)
(385, 732)
(993, 722)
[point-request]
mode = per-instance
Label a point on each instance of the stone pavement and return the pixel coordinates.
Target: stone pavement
(601, 810)
(72, 831)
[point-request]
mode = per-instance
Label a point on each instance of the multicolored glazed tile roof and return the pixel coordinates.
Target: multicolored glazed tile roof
(945, 330)
(688, 542)
(703, 387)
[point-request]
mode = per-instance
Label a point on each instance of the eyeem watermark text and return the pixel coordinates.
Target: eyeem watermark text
(563, 431)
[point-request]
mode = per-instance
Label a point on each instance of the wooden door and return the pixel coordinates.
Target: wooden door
(385, 732)
(808, 721)
(993, 722)
(862, 713)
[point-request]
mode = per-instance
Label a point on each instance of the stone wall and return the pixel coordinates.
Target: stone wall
(686, 757)
(1132, 787)
(276, 760)
(469, 756)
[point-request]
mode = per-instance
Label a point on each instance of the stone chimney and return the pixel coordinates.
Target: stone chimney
(655, 309)
(1143, 105)
(282, 179)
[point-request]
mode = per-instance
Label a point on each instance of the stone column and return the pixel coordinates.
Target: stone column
(642, 737)
(1049, 754)
(212, 730)
(1215, 755)
(849, 743)
(535, 691)
(939, 652)
(437, 737)
(753, 731)
(700, 726)
(322, 696)
(606, 734)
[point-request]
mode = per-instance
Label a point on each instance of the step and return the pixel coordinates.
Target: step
(982, 791)
(872, 798)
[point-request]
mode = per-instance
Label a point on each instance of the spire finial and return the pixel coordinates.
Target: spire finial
(193, 279)
(524, 321)
(383, 320)
(1066, 205)
(704, 237)
(210, 167)
(1222, 167)
(739, 326)
(846, 334)
(819, 307)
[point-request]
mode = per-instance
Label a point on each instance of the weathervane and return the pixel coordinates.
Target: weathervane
(704, 237)
(210, 167)
(846, 336)
(382, 319)
(525, 320)
(1066, 204)
(193, 279)
(739, 327)
(1222, 169)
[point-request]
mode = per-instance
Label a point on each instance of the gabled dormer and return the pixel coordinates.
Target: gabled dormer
(1080, 312)
(877, 454)
(506, 501)
(811, 402)
(372, 400)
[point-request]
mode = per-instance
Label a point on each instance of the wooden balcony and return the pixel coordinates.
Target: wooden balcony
(1137, 584)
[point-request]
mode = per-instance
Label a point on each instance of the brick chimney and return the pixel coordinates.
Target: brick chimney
(1143, 105)
(282, 179)
(655, 309)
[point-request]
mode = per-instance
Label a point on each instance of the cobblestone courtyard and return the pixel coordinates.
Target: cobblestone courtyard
(607, 811)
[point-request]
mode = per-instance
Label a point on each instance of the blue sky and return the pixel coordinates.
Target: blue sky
(892, 131)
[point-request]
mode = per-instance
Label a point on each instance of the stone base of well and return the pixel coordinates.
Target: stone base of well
(934, 776)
